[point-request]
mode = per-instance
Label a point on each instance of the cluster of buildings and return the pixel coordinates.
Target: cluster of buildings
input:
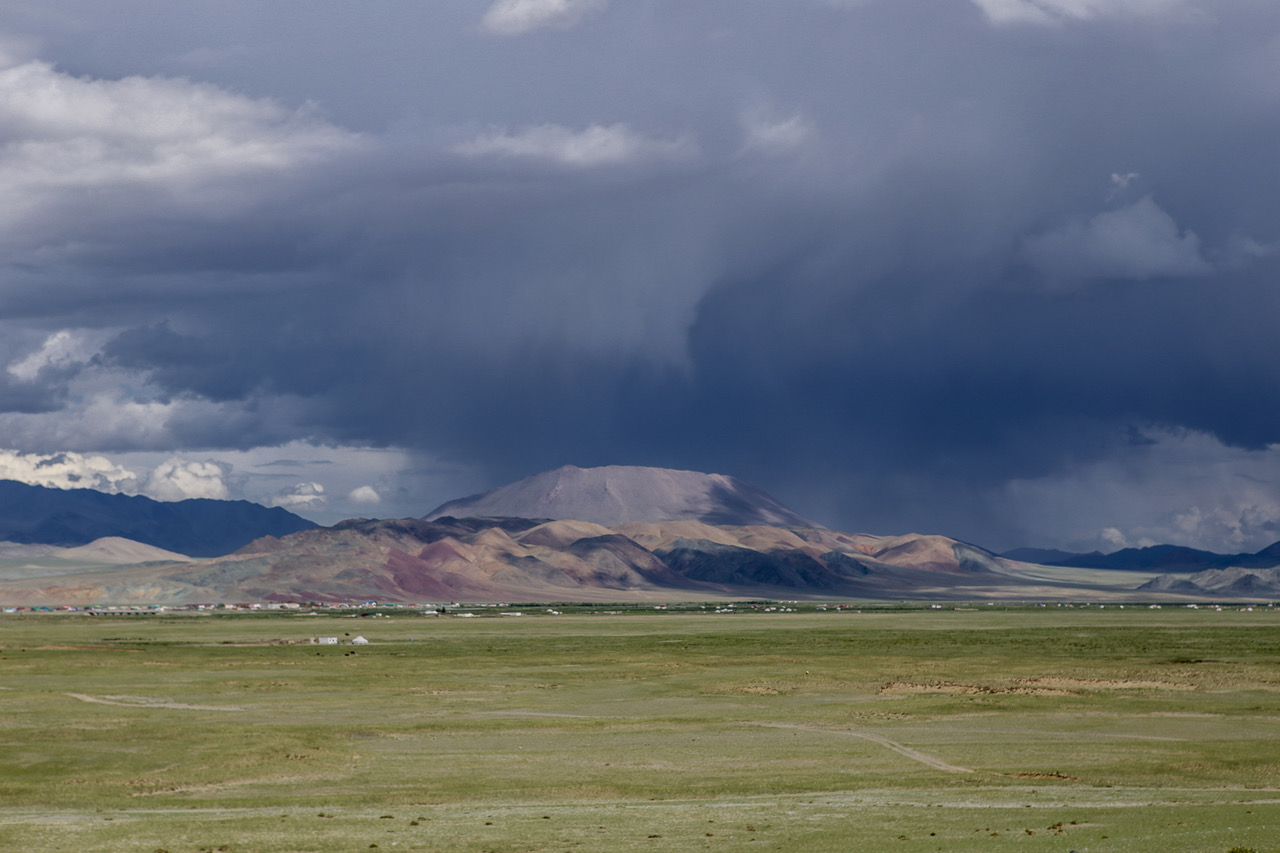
(151, 609)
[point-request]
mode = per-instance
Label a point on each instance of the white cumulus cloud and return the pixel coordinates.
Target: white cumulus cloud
(301, 496)
(60, 133)
(364, 495)
(517, 17)
(60, 350)
(1231, 528)
(1182, 488)
(178, 479)
(67, 471)
(1135, 242)
(597, 145)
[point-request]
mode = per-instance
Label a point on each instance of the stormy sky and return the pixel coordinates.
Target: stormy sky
(1007, 270)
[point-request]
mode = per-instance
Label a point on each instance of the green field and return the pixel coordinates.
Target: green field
(985, 729)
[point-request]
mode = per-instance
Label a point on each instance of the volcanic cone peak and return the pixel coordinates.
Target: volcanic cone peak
(623, 494)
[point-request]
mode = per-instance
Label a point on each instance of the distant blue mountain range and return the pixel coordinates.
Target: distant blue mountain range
(1171, 559)
(198, 528)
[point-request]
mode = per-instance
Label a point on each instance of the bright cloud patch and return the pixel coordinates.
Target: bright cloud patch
(1137, 242)
(1233, 528)
(1176, 487)
(766, 133)
(364, 495)
(516, 17)
(59, 133)
(67, 471)
(301, 496)
(60, 350)
(598, 145)
(1053, 11)
(178, 479)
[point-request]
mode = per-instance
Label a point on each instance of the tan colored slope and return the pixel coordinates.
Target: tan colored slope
(917, 551)
(126, 585)
(116, 550)
(556, 561)
(772, 538)
(661, 534)
(561, 534)
(413, 560)
(912, 550)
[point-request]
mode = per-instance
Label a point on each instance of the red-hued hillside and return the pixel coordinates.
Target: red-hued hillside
(649, 534)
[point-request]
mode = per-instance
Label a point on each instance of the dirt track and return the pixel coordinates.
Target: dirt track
(144, 702)
(913, 754)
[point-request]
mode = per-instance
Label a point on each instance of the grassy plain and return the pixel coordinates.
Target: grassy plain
(985, 729)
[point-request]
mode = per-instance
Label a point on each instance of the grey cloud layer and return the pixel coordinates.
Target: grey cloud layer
(884, 259)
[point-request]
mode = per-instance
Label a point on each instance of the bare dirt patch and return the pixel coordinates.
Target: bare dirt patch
(971, 689)
(1037, 686)
(1075, 684)
(158, 790)
(905, 751)
(1044, 776)
(149, 702)
(65, 647)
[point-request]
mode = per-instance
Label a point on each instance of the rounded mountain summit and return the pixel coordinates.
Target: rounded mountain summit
(622, 494)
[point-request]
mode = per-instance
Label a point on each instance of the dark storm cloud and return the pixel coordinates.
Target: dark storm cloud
(28, 397)
(881, 259)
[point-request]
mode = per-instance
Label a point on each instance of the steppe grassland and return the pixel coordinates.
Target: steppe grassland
(1027, 729)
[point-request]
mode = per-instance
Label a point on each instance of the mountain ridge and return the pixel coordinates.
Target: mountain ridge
(620, 494)
(197, 527)
(1172, 559)
(689, 551)
(511, 559)
(1230, 582)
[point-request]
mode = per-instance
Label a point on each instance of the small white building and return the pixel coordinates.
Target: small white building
(324, 641)
(359, 641)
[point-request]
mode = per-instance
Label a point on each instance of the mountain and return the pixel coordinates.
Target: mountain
(516, 559)
(621, 494)
(1155, 558)
(118, 551)
(596, 534)
(1234, 582)
(199, 527)
(1166, 558)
